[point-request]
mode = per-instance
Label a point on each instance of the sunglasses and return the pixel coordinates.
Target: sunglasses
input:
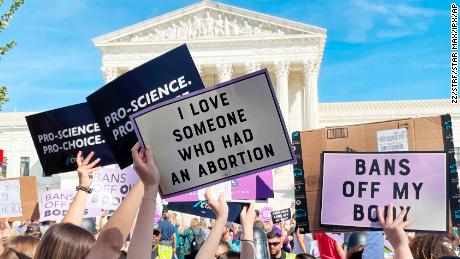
(274, 244)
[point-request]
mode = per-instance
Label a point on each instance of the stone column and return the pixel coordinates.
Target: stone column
(282, 85)
(200, 70)
(251, 67)
(310, 95)
(109, 73)
(224, 72)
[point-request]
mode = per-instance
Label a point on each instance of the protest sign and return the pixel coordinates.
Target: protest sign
(110, 187)
(59, 134)
(10, 199)
(165, 77)
(279, 216)
(227, 131)
(225, 188)
(27, 191)
(355, 184)
(266, 213)
(202, 209)
(55, 204)
(258, 186)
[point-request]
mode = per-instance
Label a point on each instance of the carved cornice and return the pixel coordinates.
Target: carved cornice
(281, 68)
(311, 67)
(252, 66)
(224, 71)
(207, 24)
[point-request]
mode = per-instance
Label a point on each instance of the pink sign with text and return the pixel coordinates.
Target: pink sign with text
(355, 184)
(257, 186)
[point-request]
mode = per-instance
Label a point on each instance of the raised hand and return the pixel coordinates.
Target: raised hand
(86, 169)
(394, 231)
(219, 207)
(248, 216)
(145, 166)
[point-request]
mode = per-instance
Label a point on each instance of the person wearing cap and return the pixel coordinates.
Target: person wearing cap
(275, 244)
(155, 240)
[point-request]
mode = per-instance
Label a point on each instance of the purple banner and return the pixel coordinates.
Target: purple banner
(355, 184)
(258, 186)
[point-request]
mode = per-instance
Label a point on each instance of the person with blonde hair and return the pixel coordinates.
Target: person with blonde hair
(20, 247)
(193, 238)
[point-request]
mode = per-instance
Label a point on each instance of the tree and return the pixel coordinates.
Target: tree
(4, 22)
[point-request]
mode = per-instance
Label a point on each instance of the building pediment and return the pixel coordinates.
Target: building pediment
(208, 20)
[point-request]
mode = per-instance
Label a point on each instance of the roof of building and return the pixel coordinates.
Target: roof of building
(386, 105)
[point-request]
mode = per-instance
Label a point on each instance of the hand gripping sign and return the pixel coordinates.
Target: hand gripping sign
(216, 134)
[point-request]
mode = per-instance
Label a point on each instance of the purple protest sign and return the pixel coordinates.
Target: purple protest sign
(253, 187)
(55, 204)
(266, 213)
(354, 184)
(258, 186)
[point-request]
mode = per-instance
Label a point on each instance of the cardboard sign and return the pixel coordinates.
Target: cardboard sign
(10, 199)
(355, 184)
(59, 134)
(202, 209)
(55, 204)
(28, 194)
(258, 186)
(110, 187)
(279, 216)
(163, 78)
(217, 134)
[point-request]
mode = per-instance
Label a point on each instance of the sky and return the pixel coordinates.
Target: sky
(375, 50)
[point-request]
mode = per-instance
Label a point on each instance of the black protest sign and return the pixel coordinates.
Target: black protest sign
(167, 76)
(202, 209)
(227, 131)
(59, 134)
(279, 216)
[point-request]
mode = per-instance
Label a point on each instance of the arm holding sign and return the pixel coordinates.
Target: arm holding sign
(220, 208)
(394, 231)
(247, 216)
(141, 243)
(114, 234)
(85, 170)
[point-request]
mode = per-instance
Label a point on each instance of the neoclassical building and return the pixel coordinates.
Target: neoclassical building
(227, 42)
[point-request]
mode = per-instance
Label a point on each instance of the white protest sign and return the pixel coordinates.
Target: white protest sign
(10, 199)
(392, 140)
(110, 187)
(216, 190)
(54, 205)
(215, 134)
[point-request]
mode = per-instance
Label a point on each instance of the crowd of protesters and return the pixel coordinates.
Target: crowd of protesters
(130, 232)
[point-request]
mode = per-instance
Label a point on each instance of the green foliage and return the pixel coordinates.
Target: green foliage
(4, 22)
(3, 97)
